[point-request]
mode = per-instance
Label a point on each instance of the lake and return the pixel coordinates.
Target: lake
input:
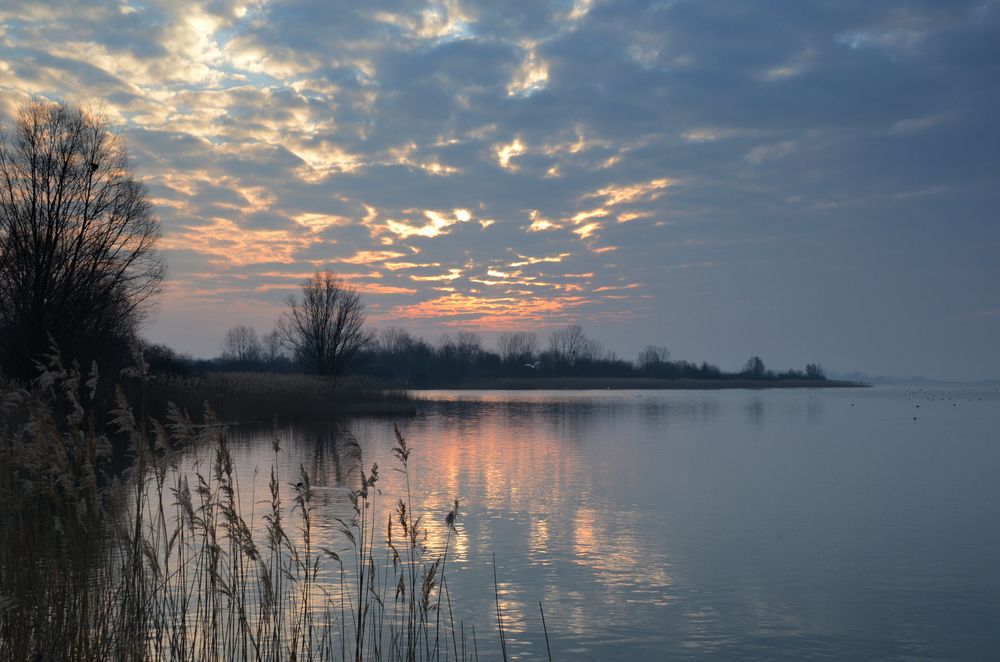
(843, 523)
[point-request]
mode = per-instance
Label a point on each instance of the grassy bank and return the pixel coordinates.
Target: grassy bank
(603, 383)
(260, 396)
(163, 563)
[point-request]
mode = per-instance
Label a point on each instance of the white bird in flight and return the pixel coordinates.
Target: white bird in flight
(533, 365)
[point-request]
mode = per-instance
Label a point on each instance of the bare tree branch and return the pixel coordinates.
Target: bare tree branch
(326, 329)
(241, 345)
(78, 258)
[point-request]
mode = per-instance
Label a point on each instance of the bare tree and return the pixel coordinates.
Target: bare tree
(242, 345)
(517, 347)
(468, 347)
(326, 329)
(78, 258)
(571, 344)
(271, 347)
(754, 367)
(653, 356)
(395, 340)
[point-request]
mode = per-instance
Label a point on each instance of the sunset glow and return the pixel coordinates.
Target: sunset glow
(446, 142)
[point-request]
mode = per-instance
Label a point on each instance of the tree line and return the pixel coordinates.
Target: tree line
(323, 332)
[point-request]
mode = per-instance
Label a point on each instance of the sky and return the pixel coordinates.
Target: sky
(809, 181)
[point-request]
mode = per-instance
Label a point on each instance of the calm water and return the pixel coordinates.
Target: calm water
(673, 524)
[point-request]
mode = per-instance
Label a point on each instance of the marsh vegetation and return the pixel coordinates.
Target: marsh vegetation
(157, 561)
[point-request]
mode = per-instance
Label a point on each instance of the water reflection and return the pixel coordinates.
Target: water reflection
(671, 524)
(528, 491)
(755, 411)
(328, 466)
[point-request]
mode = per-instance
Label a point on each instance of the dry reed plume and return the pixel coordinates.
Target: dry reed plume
(155, 562)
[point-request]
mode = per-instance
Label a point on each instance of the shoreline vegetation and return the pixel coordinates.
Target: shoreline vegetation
(643, 383)
(246, 397)
(168, 560)
(243, 397)
(254, 373)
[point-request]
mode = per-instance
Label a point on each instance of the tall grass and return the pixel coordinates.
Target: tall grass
(160, 562)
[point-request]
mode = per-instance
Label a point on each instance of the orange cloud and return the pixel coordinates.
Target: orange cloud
(436, 225)
(582, 216)
(586, 231)
(616, 195)
(317, 222)
(378, 288)
(367, 257)
(536, 260)
(506, 153)
(229, 244)
(612, 288)
(539, 223)
(492, 312)
(450, 276)
(625, 217)
(396, 266)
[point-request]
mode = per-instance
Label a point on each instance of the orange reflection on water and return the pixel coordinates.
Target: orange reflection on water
(529, 489)
(528, 475)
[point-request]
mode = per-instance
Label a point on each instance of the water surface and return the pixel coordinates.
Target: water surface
(844, 523)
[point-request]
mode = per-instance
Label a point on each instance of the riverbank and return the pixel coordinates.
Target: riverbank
(245, 397)
(637, 383)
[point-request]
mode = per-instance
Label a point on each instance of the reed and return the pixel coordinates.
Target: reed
(163, 562)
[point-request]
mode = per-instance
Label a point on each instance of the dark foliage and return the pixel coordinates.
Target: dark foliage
(397, 358)
(78, 259)
(400, 358)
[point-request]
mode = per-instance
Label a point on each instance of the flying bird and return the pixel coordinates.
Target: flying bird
(533, 365)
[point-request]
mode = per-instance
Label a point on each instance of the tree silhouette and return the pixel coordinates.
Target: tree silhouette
(754, 367)
(325, 330)
(516, 349)
(652, 358)
(78, 258)
(271, 347)
(241, 345)
(569, 345)
(815, 371)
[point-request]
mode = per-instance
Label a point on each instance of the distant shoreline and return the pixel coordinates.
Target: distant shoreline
(635, 383)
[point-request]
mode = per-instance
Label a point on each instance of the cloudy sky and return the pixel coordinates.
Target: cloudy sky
(807, 181)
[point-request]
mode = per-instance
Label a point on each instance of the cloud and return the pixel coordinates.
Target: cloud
(531, 76)
(916, 124)
(624, 194)
(586, 230)
(368, 257)
(763, 153)
(483, 312)
(451, 275)
(524, 260)
(505, 153)
(437, 223)
(225, 243)
(539, 223)
(472, 145)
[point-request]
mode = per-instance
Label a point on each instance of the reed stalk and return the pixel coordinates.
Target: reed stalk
(158, 561)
